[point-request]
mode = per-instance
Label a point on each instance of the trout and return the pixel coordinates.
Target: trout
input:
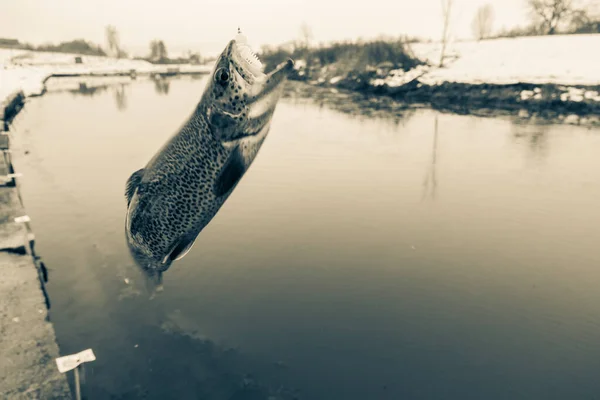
(183, 186)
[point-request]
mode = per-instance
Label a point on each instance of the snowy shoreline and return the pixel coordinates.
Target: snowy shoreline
(550, 75)
(28, 71)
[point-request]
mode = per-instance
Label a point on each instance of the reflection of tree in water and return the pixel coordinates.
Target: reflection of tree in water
(535, 135)
(121, 97)
(161, 85)
(430, 182)
(85, 90)
(355, 104)
(196, 77)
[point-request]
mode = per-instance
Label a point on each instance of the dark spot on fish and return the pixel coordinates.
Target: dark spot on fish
(237, 97)
(231, 173)
(183, 245)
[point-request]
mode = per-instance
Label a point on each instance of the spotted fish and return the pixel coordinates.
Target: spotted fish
(182, 187)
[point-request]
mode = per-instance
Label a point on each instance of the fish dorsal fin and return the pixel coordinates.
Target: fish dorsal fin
(132, 184)
(181, 247)
(231, 173)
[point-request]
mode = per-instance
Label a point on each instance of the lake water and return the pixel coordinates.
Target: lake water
(359, 257)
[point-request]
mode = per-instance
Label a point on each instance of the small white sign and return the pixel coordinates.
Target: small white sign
(68, 363)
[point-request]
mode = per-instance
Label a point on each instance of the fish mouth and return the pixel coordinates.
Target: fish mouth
(239, 51)
(274, 78)
(264, 96)
(261, 91)
(242, 53)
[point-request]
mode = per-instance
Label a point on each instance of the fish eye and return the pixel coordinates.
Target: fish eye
(222, 75)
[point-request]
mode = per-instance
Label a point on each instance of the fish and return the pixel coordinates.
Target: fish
(183, 186)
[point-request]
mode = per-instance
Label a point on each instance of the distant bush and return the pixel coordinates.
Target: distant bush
(346, 57)
(78, 46)
(588, 27)
(271, 57)
(519, 31)
(370, 53)
(532, 30)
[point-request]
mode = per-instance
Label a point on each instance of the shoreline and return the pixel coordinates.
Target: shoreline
(539, 103)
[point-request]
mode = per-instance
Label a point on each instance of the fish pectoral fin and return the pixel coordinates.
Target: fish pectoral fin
(132, 184)
(181, 247)
(232, 172)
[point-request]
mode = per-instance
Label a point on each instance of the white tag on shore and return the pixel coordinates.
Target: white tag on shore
(68, 363)
(24, 218)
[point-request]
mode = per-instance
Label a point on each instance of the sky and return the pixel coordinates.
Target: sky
(207, 25)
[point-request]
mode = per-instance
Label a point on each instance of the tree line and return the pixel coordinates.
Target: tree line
(157, 52)
(546, 17)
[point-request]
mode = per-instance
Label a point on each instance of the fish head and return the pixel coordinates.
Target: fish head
(240, 97)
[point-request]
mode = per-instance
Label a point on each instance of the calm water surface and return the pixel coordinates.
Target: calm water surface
(359, 257)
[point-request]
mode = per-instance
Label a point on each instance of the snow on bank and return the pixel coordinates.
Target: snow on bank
(7, 54)
(558, 59)
(27, 70)
(29, 80)
(398, 77)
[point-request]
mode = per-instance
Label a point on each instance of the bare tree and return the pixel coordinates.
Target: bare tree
(483, 22)
(306, 35)
(550, 13)
(446, 13)
(112, 40)
(158, 51)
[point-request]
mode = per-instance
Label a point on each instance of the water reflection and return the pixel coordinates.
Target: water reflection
(120, 97)
(430, 182)
(91, 88)
(89, 91)
(353, 104)
(161, 85)
(535, 135)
